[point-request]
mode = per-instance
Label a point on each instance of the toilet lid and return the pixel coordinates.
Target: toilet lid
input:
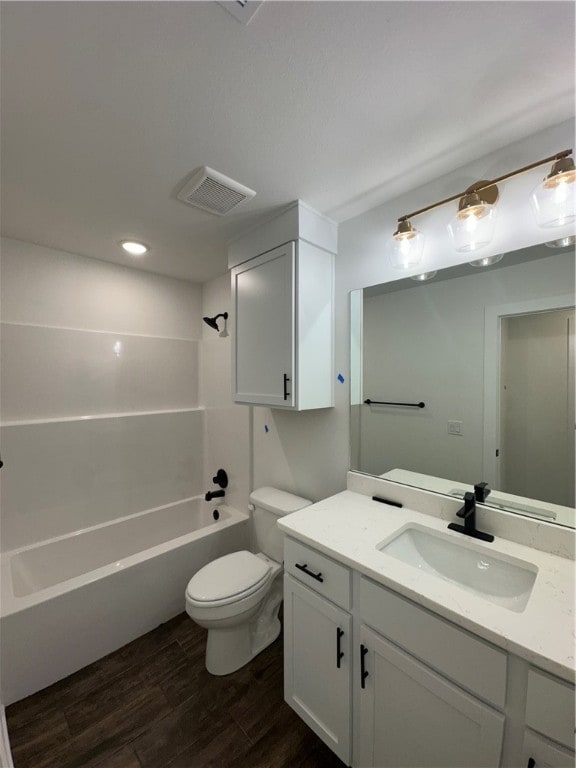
(235, 575)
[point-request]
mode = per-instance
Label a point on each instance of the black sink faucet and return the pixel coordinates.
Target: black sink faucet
(468, 512)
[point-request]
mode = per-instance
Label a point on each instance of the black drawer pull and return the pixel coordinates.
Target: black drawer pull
(531, 763)
(318, 576)
(363, 673)
(286, 393)
(339, 652)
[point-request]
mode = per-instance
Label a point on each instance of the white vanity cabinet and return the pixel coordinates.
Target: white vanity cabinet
(282, 326)
(539, 752)
(317, 663)
(428, 692)
(413, 689)
(318, 644)
(410, 716)
(549, 734)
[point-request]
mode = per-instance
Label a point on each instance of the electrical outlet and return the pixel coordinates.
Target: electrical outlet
(455, 428)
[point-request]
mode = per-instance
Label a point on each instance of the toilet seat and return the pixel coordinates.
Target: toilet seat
(228, 579)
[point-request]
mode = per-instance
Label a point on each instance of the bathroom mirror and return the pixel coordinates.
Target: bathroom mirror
(469, 376)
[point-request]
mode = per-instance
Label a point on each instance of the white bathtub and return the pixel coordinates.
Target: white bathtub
(71, 600)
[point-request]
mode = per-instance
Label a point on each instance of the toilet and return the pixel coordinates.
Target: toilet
(237, 597)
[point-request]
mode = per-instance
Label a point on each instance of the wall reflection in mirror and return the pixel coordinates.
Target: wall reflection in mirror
(489, 350)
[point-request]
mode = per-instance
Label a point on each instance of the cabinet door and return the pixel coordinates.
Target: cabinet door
(412, 717)
(317, 645)
(538, 752)
(263, 291)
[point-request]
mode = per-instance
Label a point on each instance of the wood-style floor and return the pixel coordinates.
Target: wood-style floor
(152, 704)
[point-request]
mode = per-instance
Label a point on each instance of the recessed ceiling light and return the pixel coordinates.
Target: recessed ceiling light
(134, 248)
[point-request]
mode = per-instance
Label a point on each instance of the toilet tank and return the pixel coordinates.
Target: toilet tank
(269, 505)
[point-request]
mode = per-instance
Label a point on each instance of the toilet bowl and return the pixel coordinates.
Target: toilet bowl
(236, 597)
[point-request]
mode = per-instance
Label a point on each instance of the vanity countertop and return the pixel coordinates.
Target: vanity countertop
(350, 526)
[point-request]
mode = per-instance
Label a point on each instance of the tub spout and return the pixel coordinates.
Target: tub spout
(214, 495)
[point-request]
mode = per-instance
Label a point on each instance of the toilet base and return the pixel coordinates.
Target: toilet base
(230, 648)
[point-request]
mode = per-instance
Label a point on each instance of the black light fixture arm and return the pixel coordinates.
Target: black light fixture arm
(485, 184)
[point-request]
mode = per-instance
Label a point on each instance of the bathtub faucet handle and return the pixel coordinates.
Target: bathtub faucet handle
(221, 478)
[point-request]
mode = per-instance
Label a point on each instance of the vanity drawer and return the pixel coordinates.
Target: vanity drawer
(324, 575)
(544, 753)
(468, 661)
(550, 707)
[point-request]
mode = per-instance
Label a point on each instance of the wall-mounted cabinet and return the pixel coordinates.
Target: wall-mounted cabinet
(282, 319)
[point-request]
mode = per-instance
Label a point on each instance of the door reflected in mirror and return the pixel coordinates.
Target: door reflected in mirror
(490, 354)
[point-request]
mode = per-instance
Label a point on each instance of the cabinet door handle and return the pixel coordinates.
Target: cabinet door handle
(318, 576)
(531, 763)
(363, 673)
(286, 380)
(339, 651)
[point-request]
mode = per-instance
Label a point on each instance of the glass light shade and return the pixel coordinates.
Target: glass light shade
(473, 227)
(487, 261)
(554, 200)
(423, 276)
(406, 249)
(563, 242)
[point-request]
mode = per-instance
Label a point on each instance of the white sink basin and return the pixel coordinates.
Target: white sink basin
(498, 578)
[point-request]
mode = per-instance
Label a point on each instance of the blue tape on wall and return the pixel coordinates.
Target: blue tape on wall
(341, 378)
(266, 428)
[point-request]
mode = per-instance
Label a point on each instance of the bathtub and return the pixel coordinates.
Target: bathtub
(70, 600)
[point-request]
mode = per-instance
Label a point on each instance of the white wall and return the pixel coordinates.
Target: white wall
(227, 426)
(99, 386)
(308, 452)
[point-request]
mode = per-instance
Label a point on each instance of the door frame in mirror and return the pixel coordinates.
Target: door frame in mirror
(492, 349)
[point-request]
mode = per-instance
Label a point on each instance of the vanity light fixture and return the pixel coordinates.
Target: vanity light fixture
(423, 276)
(134, 248)
(472, 227)
(487, 261)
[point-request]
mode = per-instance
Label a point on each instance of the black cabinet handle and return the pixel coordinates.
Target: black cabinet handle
(363, 673)
(286, 393)
(339, 652)
(1, 463)
(318, 576)
(531, 763)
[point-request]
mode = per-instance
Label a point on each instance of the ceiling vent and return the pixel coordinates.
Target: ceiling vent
(243, 10)
(213, 192)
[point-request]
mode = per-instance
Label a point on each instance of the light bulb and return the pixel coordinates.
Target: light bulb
(134, 248)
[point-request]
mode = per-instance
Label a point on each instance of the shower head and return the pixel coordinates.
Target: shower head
(211, 321)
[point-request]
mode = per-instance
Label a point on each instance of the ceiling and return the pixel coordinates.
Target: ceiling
(108, 107)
